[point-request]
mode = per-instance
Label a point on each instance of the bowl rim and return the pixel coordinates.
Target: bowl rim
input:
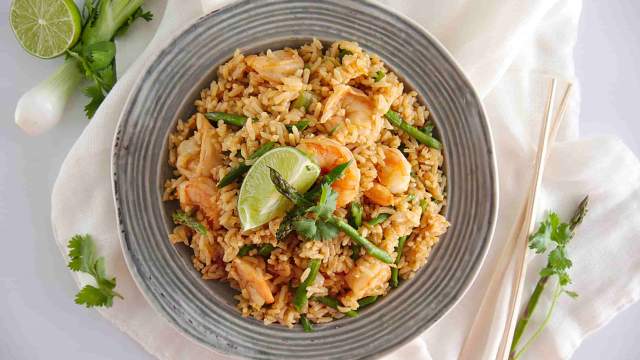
(116, 151)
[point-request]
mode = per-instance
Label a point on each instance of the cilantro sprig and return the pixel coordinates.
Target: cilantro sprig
(552, 232)
(83, 258)
(315, 220)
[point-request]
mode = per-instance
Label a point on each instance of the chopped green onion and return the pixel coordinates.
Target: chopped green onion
(304, 100)
(245, 250)
(231, 119)
(306, 324)
(333, 130)
(395, 120)
(342, 53)
(242, 168)
(411, 197)
(265, 250)
(300, 297)
(333, 303)
(355, 214)
(379, 75)
(395, 271)
(366, 301)
(300, 125)
(379, 219)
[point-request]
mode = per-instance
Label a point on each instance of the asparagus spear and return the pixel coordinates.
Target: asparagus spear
(394, 271)
(300, 297)
(231, 119)
(395, 120)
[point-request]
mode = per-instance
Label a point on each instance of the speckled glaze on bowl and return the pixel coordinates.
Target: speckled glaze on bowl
(205, 310)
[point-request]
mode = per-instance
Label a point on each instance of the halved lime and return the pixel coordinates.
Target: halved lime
(259, 201)
(46, 28)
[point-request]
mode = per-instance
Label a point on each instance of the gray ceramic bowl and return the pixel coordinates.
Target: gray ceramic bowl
(205, 310)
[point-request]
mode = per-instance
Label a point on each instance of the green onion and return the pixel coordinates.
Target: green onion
(342, 53)
(300, 125)
(265, 250)
(379, 219)
(245, 250)
(333, 130)
(306, 324)
(304, 100)
(231, 119)
(366, 301)
(333, 175)
(355, 251)
(242, 168)
(395, 120)
(411, 197)
(300, 297)
(394, 271)
(379, 75)
(333, 303)
(355, 214)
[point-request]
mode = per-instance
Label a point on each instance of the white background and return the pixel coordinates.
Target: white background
(38, 318)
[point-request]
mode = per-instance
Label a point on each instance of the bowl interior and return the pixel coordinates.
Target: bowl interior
(205, 310)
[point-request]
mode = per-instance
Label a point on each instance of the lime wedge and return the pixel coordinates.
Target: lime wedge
(46, 28)
(259, 201)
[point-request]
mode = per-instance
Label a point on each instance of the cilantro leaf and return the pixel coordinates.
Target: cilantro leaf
(91, 296)
(96, 95)
(327, 203)
(540, 240)
(558, 259)
(306, 228)
(326, 231)
(82, 254)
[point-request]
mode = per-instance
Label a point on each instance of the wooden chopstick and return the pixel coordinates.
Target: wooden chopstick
(548, 133)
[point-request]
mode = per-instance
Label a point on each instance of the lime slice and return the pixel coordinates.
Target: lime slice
(259, 201)
(46, 28)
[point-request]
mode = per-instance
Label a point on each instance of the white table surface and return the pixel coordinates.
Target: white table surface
(38, 318)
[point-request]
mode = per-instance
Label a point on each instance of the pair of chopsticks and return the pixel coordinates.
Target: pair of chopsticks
(548, 132)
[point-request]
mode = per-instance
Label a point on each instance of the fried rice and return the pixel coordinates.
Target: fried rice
(264, 88)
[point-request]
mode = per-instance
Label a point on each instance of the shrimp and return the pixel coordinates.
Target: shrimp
(394, 175)
(210, 148)
(328, 154)
(367, 277)
(252, 278)
(276, 65)
(188, 158)
(202, 193)
(358, 108)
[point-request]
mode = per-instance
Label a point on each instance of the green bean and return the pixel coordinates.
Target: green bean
(231, 119)
(242, 168)
(304, 100)
(371, 249)
(265, 250)
(355, 214)
(395, 120)
(333, 303)
(300, 297)
(306, 324)
(245, 250)
(366, 301)
(300, 125)
(394, 271)
(379, 219)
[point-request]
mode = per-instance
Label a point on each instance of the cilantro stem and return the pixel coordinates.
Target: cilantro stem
(373, 250)
(554, 301)
(531, 305)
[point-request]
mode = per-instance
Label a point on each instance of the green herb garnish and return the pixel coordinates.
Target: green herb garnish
(83, 258)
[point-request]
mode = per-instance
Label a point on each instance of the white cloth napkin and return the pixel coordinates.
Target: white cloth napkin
(508, 49)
